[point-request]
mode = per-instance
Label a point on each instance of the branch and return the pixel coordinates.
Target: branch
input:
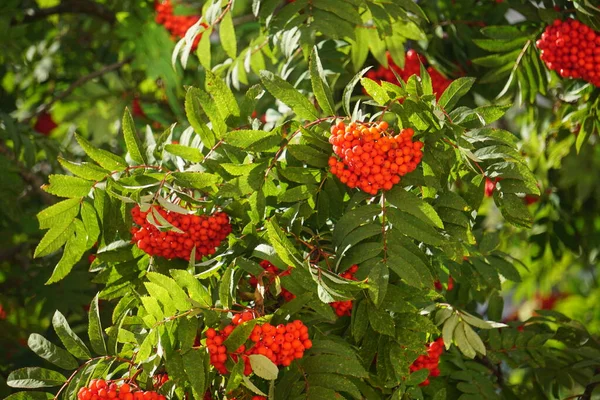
(81, 81)
(496, 369)
(68, 7)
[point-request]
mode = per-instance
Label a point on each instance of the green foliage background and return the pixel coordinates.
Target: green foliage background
(300, 64)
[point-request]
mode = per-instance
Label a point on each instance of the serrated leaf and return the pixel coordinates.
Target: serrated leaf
(29, 395)
(375, 90)
(250, 140)
(222, 95)
(193, 365)
(378, 282)
(54, 239)
(319, 84)
(132, 141)
(32, 378)
(77, 245)
(413, 227)
(474, 339)
(240, 334)
(50, 352)
(410, 203)
(187, 153)
(448, 330)
(61, 211)
(382, 322)
(457, 89)
(263, 367)
(95, 332)
(462, 342)
(68, 186)
(227, 35)
(69, 339)
(332, 363)
(347, 95)
(180, 298)
(287, 94)
(195, 180)
(105, 159)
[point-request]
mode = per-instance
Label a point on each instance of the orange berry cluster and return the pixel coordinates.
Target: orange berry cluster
(253, 281)
(281, 344)
(342, 308)
(412, 66)
(369, 157)
(572, 49)
(177, 25)
(100, 389)
(430, 361)
(201, 231)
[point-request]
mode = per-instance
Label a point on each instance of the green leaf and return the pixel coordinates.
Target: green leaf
(90, 223)
(187, 153)
(297, 194)
(382, 322)
(222, 95)
(335, 382)
(32, 378)
(235, 377)
(30, 396)
(227, 35)
(132, 141)
(50, 352)
(105, 159)
(448, 330)
(68, 186)
(463, 343)
(195, 180)
(193, 106)
(474, 339)
(284, 248)
(226, 288)
(251, 140)
(193, 364)
(586, 129)
(337, 364)
(498, 46)
(378, 282)
(69, 339)
(287, 94)
(352, 220)
(195, 289)
(64, 210)
(309, 155)
(77, 245)
(375, 90)
(347, 95)
(54, 239)
(263, 367)
(240, 334)
(457, 89)
(360, 321)
(319, 84)
(180, 298)
(410, 203)
(413, 227)
(95, 332)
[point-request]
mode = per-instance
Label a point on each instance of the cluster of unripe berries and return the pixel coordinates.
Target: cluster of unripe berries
(273, 270)
(412, 66)
(342, 308)
(572, 49)
(429, 361)
(281, 344)
(100, 389)
(369, 157)
(177, 25)
(203, 232)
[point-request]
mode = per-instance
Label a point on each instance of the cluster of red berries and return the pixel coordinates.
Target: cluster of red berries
(281, 344)
(100, 389)
(45, 124)
(273, 270)
(412, 66)
(201, 231)
(177, 25)
(490, 187)
(430, 361)
(572, 49)
(342, 308)
(370, 158)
